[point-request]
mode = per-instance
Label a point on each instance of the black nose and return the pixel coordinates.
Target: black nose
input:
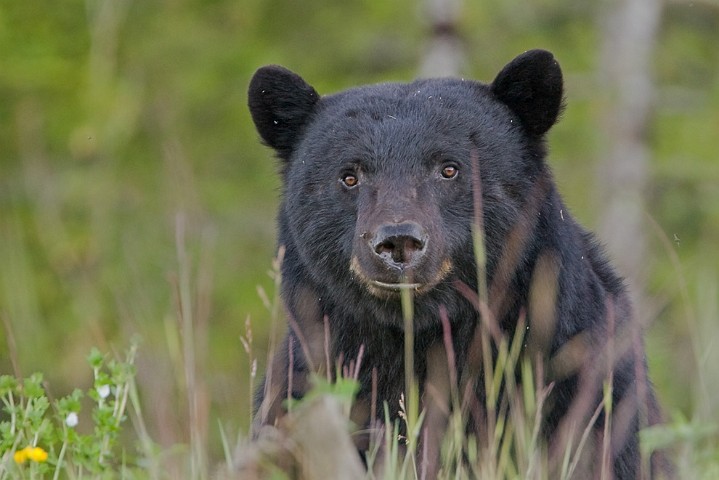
(399, 245)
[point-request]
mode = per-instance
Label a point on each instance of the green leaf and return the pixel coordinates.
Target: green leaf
(95, 359)
(32, 386)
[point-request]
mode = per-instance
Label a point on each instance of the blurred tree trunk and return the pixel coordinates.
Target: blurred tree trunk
(444, 54)
(629, 32)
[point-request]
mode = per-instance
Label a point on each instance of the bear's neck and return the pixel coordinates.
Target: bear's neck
(563, 273)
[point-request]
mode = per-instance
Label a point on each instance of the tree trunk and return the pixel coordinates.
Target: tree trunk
(630, 30)
(444, 55)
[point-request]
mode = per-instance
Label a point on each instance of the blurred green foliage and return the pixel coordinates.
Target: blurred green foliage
(120, 118)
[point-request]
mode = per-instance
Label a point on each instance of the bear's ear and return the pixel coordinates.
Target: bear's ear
(531, 86)
(280, 102)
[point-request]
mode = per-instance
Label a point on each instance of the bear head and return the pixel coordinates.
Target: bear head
(379, 181)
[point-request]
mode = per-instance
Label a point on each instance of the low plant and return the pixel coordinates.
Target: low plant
(42, 437)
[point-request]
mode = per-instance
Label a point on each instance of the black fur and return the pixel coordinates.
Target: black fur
(401, 143)
(280, 103)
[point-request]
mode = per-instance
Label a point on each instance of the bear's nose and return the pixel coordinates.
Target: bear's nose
(399, 245)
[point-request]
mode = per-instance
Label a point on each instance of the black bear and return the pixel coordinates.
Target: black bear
(396, 188)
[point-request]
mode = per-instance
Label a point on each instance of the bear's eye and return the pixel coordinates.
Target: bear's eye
(350, 180)
(449, 171)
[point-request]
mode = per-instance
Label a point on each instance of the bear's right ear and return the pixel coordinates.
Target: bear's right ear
(280, 102)
(531, 86)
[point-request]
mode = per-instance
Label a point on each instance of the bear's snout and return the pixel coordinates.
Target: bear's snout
(393, 256)
(400, 245)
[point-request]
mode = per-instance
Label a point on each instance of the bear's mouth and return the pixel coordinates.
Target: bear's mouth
(403, 283)
(384, 288)
(396, 287)
(389, 290)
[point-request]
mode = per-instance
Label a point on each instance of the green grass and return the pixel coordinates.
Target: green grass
(102, 432)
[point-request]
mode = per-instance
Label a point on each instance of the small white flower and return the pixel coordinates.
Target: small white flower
(71, 420)
(103, 391)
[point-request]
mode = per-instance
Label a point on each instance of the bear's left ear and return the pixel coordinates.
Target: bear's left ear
(280, 102)
(531, 86)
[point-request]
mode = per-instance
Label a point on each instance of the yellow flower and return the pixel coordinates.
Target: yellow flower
(36, 454)
(20, 456)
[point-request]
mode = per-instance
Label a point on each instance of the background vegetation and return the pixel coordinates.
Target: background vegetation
(135, 198)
